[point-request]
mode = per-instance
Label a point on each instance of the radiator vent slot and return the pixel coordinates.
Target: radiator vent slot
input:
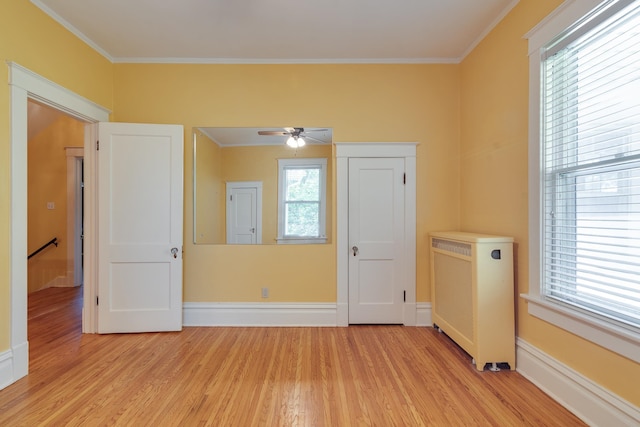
(459, 248)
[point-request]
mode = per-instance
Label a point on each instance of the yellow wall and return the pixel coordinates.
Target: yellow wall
(47, 180)
(210, 207)
(494, 189)
(362, 103)
(33, 40)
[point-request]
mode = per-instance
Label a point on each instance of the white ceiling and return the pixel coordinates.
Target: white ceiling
(280, 31)
(236, 137)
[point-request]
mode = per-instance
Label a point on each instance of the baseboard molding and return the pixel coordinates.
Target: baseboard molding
(279, 314)
(14, 364)
(60, 282)
(587, 400)
(259, 314)
(423, 314)
(6, 368)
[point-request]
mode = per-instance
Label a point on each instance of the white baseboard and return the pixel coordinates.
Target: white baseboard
(259, 314)
(423, 314)
(6, 368)
(280, 314)
(14, 364)
(60, 282)
(589, 401)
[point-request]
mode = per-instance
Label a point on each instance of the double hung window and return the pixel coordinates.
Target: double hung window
(302, 200)
(588, 178)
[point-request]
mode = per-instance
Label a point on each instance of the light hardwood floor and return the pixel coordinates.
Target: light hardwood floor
(360, 375)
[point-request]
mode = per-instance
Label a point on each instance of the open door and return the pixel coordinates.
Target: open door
(140, 209)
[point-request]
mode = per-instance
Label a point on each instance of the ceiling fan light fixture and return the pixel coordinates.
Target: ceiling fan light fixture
(291, 142)
(301, 141)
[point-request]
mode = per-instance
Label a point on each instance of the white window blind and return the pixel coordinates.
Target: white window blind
(590, 133)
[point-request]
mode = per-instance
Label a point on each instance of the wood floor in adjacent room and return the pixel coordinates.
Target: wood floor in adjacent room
(360, 375)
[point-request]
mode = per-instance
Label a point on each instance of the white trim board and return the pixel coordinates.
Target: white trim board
(589, 401)
(6, 368)
(423, 314)
(345, 150)
(259, 314)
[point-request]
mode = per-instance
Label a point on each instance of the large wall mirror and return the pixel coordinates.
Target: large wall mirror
(262, 185)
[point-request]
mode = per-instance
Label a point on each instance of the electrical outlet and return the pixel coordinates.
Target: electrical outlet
(51, 205)
(265, 292)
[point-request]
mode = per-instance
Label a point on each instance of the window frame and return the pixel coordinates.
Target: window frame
(316, 163)
(622, 339)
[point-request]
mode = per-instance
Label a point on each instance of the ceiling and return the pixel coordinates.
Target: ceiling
(236, 137)
(280, 31)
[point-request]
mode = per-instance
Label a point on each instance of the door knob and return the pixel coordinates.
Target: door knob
(355, 250)
(174, 252)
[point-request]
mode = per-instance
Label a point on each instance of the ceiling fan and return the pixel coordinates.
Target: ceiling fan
(296, 136)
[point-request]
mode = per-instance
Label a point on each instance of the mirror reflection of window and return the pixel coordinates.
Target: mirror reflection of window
(302, 200)
(238, 156)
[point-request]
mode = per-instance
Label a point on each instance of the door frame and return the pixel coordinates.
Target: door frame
(25, 84)
(344, 151)
(75, 157)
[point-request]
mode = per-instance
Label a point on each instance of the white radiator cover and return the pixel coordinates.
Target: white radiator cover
(472, 294)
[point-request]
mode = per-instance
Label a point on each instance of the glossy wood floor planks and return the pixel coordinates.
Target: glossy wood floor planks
(360, 375)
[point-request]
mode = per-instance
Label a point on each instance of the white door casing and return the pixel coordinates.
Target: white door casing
(376, 239)
(244, 212)
(140, 185)
(75, 157)
(345, 151)
(24, 85)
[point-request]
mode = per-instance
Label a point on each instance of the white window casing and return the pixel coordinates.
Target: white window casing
(584, 172)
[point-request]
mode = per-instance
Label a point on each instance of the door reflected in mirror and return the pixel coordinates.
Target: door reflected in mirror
(262, 185)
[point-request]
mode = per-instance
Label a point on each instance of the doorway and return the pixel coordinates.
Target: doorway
(407, 152)
(25, 85)
(54, 168)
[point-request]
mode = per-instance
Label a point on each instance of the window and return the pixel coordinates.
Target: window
(586, 186)
(302, 200)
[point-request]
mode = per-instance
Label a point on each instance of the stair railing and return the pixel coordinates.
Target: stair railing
(53, 241)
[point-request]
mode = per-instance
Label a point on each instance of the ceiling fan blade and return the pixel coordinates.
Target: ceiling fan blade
(316, 130)
(273, 132)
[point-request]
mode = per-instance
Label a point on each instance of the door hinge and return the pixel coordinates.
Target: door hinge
(404, 178)
(97, 300)
(404, 296)
(231, 198)
(97, 145)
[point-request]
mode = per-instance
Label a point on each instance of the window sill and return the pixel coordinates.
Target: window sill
(624, 341)
(301, 240)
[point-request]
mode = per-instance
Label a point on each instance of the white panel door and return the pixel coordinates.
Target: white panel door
(140, 179)
(244, 213)
(376, 238)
